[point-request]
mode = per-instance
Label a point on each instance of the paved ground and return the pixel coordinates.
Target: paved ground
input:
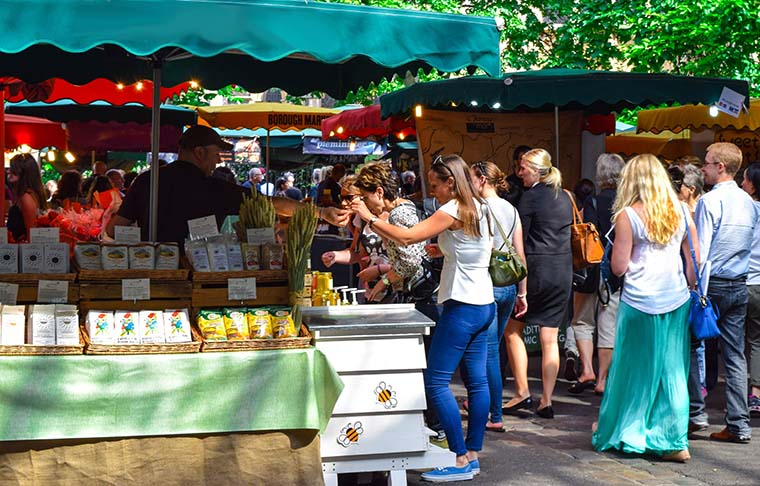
(535, 451)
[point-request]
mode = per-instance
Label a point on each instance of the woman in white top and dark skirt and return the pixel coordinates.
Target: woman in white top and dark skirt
(466, 292)
(646, 402)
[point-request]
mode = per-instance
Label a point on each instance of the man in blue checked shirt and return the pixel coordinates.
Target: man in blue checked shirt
(725, 219)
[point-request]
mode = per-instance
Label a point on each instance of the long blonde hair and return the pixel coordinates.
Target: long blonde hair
(453, 166)
(540, 160)
(645, 179)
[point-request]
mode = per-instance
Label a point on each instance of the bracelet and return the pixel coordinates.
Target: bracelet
(522, 295)
(372, 221)
(385, 281)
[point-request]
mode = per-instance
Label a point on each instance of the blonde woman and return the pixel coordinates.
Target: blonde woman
(466, 293)
(646, 407)
(546, 213)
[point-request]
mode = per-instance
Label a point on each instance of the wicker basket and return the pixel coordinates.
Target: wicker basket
(159, 348)
(43, 350)
(302, 341)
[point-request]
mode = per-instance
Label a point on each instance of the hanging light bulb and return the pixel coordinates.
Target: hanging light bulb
(25, 149)
(194, 84)
(139, 86)
(352, 145)
(119, 86)
(332, 133)
(418, 111)
(474, 103)
(496, 105)
(340, 130)
(713, 111)
(70, 157)
(51, 155)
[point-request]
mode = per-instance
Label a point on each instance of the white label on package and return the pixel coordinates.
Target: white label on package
(203, 227)
(259, 236)
(53, 291)
(135, 289)
(126, 234)
(241, 288)
(8, 293)
(3, 235)
(44, 235)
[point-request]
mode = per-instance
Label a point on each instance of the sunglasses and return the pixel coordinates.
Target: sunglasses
(348, 197)
(439, 161)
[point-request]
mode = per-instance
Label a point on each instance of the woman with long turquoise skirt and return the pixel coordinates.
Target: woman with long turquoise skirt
(646, 402)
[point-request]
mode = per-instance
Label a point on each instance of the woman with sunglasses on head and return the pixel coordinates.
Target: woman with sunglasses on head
(546, 214)
(29, 194)
(466, 292)
(487, 179)
(367, 248)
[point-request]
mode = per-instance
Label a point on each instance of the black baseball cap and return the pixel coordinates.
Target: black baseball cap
(200, 136)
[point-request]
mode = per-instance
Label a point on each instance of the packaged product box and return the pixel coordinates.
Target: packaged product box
(66, 325)
(167, 256)
(234, 253)
(32, 257)
(217, 253)
(235, 324)
(282, 324)
(87, 256)
(177, 326)
(142, 256)
(114, 257)
(197, 252)
(251, 256)
(100, 326)
(126, 327)
(56, 258)
(272, 256)
(211, 324)
(151, 328)
(13, 326)
(41, 325)
(259, 323)
(9, 258)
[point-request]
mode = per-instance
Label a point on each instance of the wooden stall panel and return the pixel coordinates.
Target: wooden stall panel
(358, 435)
(381, 392)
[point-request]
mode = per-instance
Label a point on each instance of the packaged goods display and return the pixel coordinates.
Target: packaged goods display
(32, 257)
(251, 256)
(12, 326)
(235, 324)
(41, 325)
(56, 257)
(211, 324)
(8, 259)
(66, 325)
(114, 257)
(282, 324)
(138, 327)
(87, 256)
(167, 256)
(259, 323)
(224, 253)
(140, 256)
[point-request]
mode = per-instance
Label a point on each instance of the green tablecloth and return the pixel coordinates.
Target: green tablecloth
(55, 397)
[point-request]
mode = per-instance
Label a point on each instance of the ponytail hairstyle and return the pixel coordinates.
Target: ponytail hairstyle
(452, 166)
(494, 176)
(540, 161)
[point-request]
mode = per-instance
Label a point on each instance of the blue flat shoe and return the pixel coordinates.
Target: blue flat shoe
(449, 474)
(475, 465)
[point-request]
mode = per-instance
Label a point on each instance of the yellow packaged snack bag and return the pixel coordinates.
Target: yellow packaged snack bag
(236, 324)
(211, 324)
(259, 324)
(282, 324)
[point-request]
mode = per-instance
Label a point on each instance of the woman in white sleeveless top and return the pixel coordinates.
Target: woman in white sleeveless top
(646, 402)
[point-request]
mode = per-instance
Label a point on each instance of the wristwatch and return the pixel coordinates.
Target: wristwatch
(385, 280)
(372, 221)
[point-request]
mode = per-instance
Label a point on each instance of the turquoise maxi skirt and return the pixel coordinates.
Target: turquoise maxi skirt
(646, 401)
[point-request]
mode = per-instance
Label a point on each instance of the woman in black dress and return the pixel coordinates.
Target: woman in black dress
(29, 193)
(546, 214)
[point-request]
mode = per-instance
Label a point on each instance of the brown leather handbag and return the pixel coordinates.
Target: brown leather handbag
(584, 238)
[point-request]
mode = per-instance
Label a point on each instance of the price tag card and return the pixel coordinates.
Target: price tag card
(135, 289)
(8, 293)
(126, 234)
(45, 235)
(258, 236)
(3, 235)
(203, 227)
(241, 288)
(52, 291)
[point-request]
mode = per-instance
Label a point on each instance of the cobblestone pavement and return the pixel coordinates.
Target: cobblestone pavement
(536, 451)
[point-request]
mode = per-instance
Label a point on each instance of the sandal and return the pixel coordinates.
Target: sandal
(580, 386)
(495, 426)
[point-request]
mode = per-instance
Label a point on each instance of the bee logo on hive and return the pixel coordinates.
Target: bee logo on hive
(350, 434)
(386, 395)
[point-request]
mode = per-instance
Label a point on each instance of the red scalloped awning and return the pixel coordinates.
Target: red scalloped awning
(365, 123)
(34, 132)
(98, 90)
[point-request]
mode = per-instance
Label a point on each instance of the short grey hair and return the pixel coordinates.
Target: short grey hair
(693, 178)
(608, 169)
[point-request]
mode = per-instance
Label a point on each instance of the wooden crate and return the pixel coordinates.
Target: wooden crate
(210, 288)
(28, 282)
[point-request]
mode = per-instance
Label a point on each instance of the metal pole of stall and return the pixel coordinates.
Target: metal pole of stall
(2, 153)
(155, 147)
(266, 175)
(556, 135)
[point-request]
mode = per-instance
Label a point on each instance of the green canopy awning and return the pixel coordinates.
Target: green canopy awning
(542, 90)
(295, 45)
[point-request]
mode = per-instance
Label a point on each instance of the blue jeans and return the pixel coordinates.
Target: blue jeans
(505, 301)
(730, 297)
(460, 334)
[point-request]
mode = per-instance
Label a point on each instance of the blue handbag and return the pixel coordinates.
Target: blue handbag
(703, 316)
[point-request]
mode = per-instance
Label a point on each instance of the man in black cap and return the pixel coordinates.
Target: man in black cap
(186, 191)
